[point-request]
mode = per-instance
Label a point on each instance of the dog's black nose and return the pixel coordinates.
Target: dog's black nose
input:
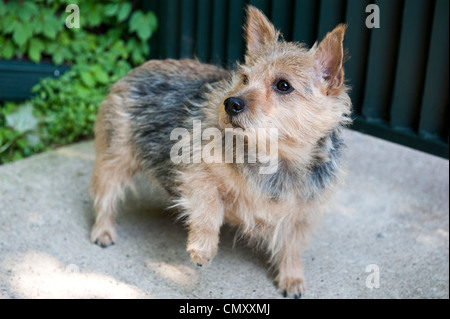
(234, 106)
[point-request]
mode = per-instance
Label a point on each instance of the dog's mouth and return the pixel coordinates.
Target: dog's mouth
(234, 122)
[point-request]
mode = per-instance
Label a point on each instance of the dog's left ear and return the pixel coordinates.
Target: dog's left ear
(259, 30)
(329, 61)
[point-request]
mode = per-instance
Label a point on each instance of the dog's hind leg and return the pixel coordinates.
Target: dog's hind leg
(114, 168)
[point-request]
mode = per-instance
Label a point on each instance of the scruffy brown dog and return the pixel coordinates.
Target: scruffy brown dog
(298, 93)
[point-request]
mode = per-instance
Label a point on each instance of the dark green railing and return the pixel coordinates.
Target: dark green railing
(398, 72)
(18, 77)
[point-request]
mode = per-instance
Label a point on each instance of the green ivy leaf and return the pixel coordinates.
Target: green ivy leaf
(122, 68)
(38, 26)
(58, 56)
(52, 26)
(137, 57)
(124, 11)
(31, 7)
(94, 17)
(132, 45)
(111, 9)
(27, 10)
(87, 79)
(9, 23)
(143, 24)
(35, 49)
(100, 75)
(135, 21)
(144, 33)
(12, 6)
(8, 49)
(152, 21)
(64, 39)
(2, 12)
(20, 34)
(145, 48)
(50, 33)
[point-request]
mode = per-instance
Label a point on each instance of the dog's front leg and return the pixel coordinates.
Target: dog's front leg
(204, 216)
(203, 238)
(290, 276)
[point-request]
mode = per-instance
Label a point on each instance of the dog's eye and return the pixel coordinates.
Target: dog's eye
(282, 86)
(245, 80)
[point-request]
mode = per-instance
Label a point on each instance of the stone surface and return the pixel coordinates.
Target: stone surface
(388, 225)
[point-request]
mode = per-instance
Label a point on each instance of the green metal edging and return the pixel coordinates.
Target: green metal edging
(430, 144)
(18, 77)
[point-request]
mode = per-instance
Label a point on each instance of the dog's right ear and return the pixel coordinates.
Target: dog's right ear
(329, 61)
(259, 30)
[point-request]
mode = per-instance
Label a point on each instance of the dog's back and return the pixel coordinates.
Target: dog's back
(153, 100)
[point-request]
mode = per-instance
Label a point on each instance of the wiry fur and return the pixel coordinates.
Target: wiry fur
(278, 211)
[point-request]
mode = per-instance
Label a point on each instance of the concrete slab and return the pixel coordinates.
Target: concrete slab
(388, 227)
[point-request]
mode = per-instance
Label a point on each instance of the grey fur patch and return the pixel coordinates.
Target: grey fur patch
(309, 183)
(324, 172)
(159, 104)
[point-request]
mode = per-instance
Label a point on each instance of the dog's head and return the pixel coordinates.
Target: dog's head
(286, 86)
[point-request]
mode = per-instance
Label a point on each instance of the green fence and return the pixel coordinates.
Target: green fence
(398, 73)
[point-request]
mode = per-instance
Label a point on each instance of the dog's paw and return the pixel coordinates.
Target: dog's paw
(202, 248)
(202, 257)
(103, 236)
(293, 287)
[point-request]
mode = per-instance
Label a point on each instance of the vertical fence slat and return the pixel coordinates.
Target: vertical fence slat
(382, 60)
(187, 28)
(263, 5)
(357, 44)
(282, 17)
(434, 113)
(204, 25)
(305, 21)
(219, 32)
(411, 64)
(170, 29)
(236, 16)
(155, 40)
(332, 12)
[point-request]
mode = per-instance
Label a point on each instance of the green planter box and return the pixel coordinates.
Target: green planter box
(18, 77)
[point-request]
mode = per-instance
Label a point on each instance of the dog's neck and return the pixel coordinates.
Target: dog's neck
(303, 180)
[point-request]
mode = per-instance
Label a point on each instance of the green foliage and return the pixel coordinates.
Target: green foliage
(19, 136)
(112, 38)
(37, 29)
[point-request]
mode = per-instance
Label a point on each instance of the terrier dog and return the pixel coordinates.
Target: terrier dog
(282, 85)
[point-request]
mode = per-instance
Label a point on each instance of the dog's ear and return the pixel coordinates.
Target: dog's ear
(329, 61)
(259, 30)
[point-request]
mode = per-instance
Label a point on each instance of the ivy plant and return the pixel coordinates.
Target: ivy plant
(112, 38)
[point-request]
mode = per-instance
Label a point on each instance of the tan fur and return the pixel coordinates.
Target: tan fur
(214, 194)
(114, 166)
